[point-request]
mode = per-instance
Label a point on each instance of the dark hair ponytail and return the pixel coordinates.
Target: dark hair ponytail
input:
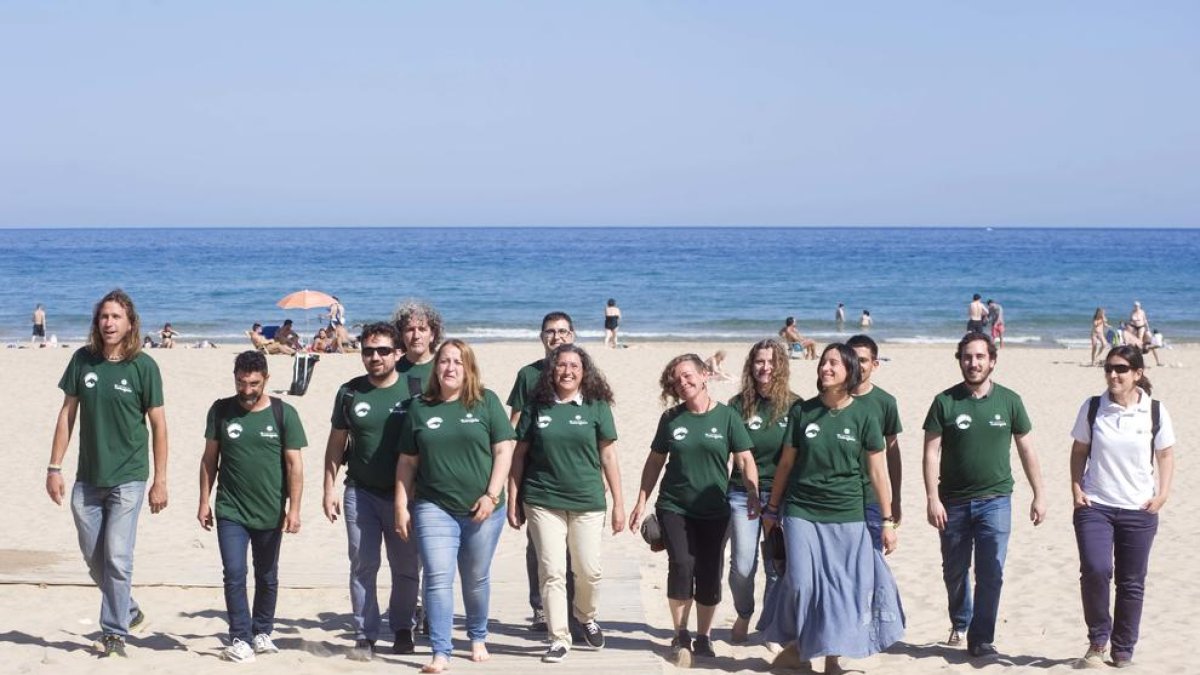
(1134, 356)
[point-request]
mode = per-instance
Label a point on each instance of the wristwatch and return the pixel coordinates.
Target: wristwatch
(495, 498)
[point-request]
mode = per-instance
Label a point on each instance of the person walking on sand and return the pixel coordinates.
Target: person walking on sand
(1138, 322)
(887, 413)
(1099, 334)
(968, 485)
(976, 315)
(612, 319)
(114, 388)
(1118, 490)
(252, 450)
(364, 435)
(995, 316)
(420, 327)
(39, 325)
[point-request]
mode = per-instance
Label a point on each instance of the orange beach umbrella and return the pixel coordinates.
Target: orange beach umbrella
(305, 299)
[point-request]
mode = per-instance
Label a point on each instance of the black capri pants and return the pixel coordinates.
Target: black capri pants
(695, 556)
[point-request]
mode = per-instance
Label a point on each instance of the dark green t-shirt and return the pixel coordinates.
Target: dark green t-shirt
(414, 375)
(887, 413)
(372, 416)
(562, 470)
(114, 440)
(698, 447)
(826, 484)
(522, 389)
(767, 437)
(455, 449)
(251, 481)
(976, 440)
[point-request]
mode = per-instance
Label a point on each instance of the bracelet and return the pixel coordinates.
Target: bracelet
(769, 508)
(495, 498)
(890, 525)
(54, 468)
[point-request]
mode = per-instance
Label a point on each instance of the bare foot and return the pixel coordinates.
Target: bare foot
(437, 665)
(789, 658)
(479, 652)
(740, 628)
(833, 667)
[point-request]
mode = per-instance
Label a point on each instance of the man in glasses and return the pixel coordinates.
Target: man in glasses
(557, 329)
(968, 485)
(883, 407)
(367, 413)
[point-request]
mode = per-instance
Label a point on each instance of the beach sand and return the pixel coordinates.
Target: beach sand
(49, 610)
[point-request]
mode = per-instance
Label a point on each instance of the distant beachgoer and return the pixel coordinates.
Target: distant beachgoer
(262, 344)
(995, 316)
(1129, 335)
(167, 336)
(1118, 490)
(612, 319)
(797, 343)
(286, 335)
(148, 342)
(839, 316)
(39, 325)
(1151, 345)
(715, 366)
(1099, 334)
(114, 388)
(321, 343)
(337, 313)
(976, 314)
(866, 321)
(1138, 322)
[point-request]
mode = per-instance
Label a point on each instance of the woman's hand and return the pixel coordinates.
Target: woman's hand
(890, 540)
(618, 518)
(484, 506)
(635, 517)
(403, 523)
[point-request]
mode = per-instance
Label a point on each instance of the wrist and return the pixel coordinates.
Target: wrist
(494, 499)
(54, 468)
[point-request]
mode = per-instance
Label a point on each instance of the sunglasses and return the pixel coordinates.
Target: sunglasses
(1118, 368)
(368, 352)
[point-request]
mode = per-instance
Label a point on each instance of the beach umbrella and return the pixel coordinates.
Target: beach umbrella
(305, 299)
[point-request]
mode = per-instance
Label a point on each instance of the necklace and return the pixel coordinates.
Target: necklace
(115, 357)
(834, 411)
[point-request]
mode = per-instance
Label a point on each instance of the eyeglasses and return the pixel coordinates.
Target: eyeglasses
(560, 332)
(1118, 368)
(368, 352)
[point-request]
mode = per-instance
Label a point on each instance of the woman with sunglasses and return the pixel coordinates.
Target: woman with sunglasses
(838, 597)
(763, 404)
(1122, 463)
(567, 433)
(456, 448)
(695, 439)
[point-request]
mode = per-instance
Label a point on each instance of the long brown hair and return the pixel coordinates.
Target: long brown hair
(472, 387)
(778, 395)
(131, 346)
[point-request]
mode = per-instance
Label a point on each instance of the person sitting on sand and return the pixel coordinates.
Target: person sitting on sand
(262, 344)
(167, 335)
(714, 366)
(797, 342)
(286, 335)
(321, 343)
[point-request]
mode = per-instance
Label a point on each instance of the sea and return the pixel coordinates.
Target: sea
(671, 283)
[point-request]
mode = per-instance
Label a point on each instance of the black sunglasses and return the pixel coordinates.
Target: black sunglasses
(1119, 368)
(368, 352)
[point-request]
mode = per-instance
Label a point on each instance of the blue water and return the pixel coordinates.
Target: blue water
(669, 282)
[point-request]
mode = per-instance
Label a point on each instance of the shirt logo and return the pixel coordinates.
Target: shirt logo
(997, 421)
(233, 430)
(963, 421)
(783, 422)
(361, 409)
(123, 386)
(89, 380)
(714, 434)
(812, 430)
(269, 432)
(544, 421)
(755, 423)
(469, 419)
(847, 436)
(433, 422)
(679, 433)
(579, 421)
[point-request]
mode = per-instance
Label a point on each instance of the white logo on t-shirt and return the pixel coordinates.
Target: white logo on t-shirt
(544, 421)
(123, 386)
(433, 422)
(679, 433)
(714, 434)
(89, 380)
(963, 421)
(578, 421)
(997, 421)
(361, 409)
(812, 430)
(233, 431)
(755, 423)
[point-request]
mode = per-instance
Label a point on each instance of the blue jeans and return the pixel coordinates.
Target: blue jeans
(233, 539)
(743, 553)
(445, 541)
(106, 522)
(371, 521)
(982, 525)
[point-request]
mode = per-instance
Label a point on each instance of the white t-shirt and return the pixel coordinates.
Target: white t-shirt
(1119, 472)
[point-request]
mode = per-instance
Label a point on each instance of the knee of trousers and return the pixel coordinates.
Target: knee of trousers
(680, 579)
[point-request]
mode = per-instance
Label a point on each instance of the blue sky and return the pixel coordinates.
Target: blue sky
(599, 113)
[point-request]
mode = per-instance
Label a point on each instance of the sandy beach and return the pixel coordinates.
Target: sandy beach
(49, 610)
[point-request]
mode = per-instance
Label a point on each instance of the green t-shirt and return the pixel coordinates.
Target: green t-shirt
(767, 437)
(976, 440)
(887, 413)
(455, 449)
(522, 389)
(562, 470)
(698, 447)
(373, 417)
(826, 485)
(114, 440)
(414, 375)
(251, 481)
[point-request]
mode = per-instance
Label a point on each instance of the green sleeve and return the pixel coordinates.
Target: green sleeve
(338, 418)
(152, 385)
(295, 436)
(606, 428)
(408, 432)
(516, 397)
(525, 424)
(210, 424)
(70, 377)
(1021, 422)
(891, 420)
(660, 444)
(933, 420)
(499, 428)
(872, 435)
(739, 438)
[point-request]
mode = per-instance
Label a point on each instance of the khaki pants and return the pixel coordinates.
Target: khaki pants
(554, 532)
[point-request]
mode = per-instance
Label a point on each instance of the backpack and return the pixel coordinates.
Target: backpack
(228, 407)
(1155, 422)
(414, 390)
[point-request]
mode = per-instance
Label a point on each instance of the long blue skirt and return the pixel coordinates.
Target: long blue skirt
(838, 597)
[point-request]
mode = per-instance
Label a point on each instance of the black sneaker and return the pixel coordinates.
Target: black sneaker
(556, 653)
(681, 649)
(403, 643)
(592, 635)
(983, 650)
(702, 646)
(114, 645)
(137, 620)
(538, 624)
(363, 650)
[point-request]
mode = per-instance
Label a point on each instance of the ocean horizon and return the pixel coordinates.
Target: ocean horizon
(672, 283)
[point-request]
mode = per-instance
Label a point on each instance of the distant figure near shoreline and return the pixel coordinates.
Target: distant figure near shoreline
(612, 319)
(39, 325)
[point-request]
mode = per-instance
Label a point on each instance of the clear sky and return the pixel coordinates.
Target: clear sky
(297, 113)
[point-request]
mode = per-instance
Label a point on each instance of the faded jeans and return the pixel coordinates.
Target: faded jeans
(744, 535)
(106, 521)
(370, 522)
(982, 527)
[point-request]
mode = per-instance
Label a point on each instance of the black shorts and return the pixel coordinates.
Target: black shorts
(974, 326)
(610, 322)
(39, 330)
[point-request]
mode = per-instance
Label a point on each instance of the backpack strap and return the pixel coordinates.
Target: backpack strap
(277, 411)
(347, 404)
(1093, 408)
(1155, 425)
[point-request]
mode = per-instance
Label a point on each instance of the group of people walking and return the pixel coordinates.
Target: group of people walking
(435, 467)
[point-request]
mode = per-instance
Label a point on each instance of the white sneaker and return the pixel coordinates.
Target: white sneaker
(238, 652)
(263, 644)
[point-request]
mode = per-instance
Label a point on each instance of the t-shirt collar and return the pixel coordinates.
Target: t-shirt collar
(577, 399)
(1142, 405)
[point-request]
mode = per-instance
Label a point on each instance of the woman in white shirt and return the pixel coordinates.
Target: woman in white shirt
(1121, 470)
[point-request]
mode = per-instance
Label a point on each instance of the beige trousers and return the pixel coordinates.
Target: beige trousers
(554, 533)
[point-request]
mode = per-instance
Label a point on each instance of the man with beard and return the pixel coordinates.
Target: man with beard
(968, 485)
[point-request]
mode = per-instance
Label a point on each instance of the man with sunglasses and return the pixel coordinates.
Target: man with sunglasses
(557, 329)
(367, 413)
(883, 407)
(968, 485)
